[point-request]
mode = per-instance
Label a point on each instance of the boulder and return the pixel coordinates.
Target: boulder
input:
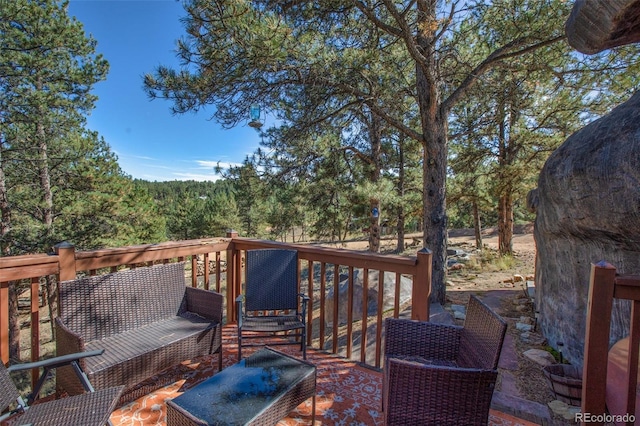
(587, 202)
(587, 210)
(596, 25)
(406, 285)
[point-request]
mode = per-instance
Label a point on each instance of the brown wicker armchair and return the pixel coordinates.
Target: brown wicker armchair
(439, 374)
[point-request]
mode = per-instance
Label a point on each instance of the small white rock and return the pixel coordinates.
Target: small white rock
(540, 356)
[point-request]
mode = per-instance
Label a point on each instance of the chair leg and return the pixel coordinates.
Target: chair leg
(86, 384)
(304, 344)
(239, 344)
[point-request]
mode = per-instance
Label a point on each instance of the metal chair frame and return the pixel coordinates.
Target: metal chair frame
(91, 408)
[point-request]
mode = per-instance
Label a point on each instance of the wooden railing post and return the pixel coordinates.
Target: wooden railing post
(231, 279)
(596, 345)
(422, 286)
(67, 260)
(4, 322)
(35, 326)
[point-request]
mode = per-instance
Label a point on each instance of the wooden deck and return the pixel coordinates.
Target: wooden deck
(347, 393)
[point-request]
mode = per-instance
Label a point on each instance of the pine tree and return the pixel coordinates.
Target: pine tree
(48, 69)
(321, 63)
(57, 180)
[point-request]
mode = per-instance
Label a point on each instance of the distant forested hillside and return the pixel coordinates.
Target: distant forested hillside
(195, 209)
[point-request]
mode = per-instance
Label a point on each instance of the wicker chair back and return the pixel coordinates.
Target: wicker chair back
(271, 280)
(105, 305)
(481, 337)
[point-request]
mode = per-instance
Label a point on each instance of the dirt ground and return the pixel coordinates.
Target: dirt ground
(487, 279)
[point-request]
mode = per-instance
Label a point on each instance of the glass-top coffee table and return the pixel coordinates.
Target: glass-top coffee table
(260, 389)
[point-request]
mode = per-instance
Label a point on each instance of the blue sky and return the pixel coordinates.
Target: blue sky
(136, 36)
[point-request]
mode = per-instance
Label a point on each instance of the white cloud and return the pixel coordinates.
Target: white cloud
(213, 164)
(196, 176)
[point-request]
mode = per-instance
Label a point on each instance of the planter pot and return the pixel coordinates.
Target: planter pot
(566, 382)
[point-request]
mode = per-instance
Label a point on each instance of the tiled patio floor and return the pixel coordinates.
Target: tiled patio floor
(347, 393)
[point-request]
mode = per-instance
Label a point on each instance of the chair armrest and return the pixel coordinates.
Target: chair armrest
(239, 311)
(67, 340)
(47, 365)
(305, 303)
(54, 362)
(206, 303)
(421, 339)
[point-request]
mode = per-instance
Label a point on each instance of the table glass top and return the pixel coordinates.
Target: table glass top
(238, 393)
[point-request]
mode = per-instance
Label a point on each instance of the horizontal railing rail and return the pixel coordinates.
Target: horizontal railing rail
(217, 264)
(336, 262)
(66, 263)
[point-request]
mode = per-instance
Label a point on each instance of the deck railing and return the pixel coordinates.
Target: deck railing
(217, 264)
(605, 285)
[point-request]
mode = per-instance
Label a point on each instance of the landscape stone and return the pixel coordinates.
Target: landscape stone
(532, 338)
(458, 308)
(406, 286)
(523, 327)
(526, 320)
(456, 266)
(540, 357)
(566, 411)
(455, 252)
(459, 315)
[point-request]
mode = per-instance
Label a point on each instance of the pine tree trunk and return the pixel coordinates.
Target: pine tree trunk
(477, 225)
(505, 204)
(14, 323)
(52, 302)
(434, 131)
(5, 208)
(505, 225)
(434, 204)
(375, 136)
(374, 226)
(5, 230)
(400, 189)
(47, 200)
(400, 230)
(45, 177)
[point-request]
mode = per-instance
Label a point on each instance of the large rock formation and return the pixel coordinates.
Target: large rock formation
(596, 25)
(406, 286)
(588, 196)
(588, 209)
